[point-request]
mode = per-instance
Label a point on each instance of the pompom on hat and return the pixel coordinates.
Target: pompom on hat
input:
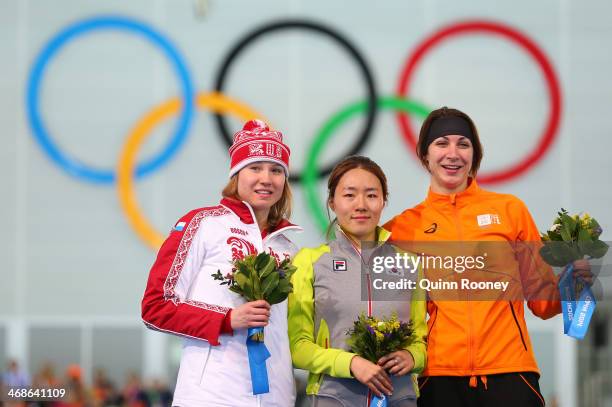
(256, 142)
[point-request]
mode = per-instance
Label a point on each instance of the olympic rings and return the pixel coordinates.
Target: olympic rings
(42, 135)
(554, 90)
(309, 178)
(218, 103)
(250, 37)
(143, 129)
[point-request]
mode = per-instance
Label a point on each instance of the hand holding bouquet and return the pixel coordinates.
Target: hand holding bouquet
(373, 338)
(569, 240)
(572, 238)
(377, 340)
(256, 278)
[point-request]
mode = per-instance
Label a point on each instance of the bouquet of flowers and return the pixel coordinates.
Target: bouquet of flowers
(373, 338)
(258, 277)
(572, 238)
(569, 239)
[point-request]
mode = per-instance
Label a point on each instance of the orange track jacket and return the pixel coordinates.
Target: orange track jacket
(477, 338)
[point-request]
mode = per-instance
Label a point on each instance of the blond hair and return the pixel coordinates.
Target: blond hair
(279, 211)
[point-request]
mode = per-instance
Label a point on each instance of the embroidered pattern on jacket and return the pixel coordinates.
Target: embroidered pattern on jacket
(181, 255)
(240, 247)
(208, 307)
(277, 257)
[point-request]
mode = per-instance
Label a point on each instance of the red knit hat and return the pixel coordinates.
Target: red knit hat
(256, 142)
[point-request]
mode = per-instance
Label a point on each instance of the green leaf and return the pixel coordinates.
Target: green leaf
(243, 268)
(276, 297)
(261, 260)
(245, 284)
(598, 249)
(568, 226)
(257, 295)
(584, 235)
(289, 269)
(595, 228)
(218, 276)
(267, 269)
(269, 284)
(549, 258)
(285, 286)
(554, 236)
(241, 279)
(237, 290)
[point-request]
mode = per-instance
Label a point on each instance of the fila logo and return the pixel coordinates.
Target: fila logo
(432, 228)
(488, 219)
(339, 265)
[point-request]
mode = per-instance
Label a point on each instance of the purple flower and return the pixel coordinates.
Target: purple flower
(371, 330)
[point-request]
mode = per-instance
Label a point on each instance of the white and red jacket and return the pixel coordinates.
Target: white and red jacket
(182, 298)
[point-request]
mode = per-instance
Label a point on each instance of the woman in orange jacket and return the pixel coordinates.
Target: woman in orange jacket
(479, 352)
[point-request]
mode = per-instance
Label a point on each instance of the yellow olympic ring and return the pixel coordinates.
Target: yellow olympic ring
(213, 101)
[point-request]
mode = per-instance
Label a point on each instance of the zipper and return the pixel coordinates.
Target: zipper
(517, 325)
(468, 303)
(358, 252)
(363, 262)
(369, 296)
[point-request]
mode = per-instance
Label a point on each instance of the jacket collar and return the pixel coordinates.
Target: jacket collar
(241, 209)
(343, 239)
(246, 214)
(472, 190)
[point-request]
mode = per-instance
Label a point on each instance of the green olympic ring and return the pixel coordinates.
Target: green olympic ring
(309, 178)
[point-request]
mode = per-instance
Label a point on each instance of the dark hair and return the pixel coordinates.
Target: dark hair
(423, 143)
(350, 163)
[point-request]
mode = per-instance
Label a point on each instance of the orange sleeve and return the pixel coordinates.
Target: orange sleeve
(537, 277)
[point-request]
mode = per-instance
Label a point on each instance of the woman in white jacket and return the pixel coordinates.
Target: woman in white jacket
(182, 298)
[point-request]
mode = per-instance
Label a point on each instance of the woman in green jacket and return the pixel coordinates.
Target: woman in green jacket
(334, 283)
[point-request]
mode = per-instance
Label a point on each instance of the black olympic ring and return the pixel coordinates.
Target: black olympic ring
(319, 28)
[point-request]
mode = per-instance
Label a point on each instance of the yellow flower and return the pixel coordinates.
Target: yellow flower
(585, 221)
(379, 336)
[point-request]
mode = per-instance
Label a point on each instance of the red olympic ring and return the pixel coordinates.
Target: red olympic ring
(552, 83)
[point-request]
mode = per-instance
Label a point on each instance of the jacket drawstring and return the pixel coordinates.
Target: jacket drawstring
(474, 381)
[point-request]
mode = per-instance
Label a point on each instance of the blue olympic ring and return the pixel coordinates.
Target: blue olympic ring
(72, 166)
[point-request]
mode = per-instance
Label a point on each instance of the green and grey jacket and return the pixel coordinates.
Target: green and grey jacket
(330, 290)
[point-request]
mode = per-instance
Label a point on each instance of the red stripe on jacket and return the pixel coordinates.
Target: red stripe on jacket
(162, 309)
